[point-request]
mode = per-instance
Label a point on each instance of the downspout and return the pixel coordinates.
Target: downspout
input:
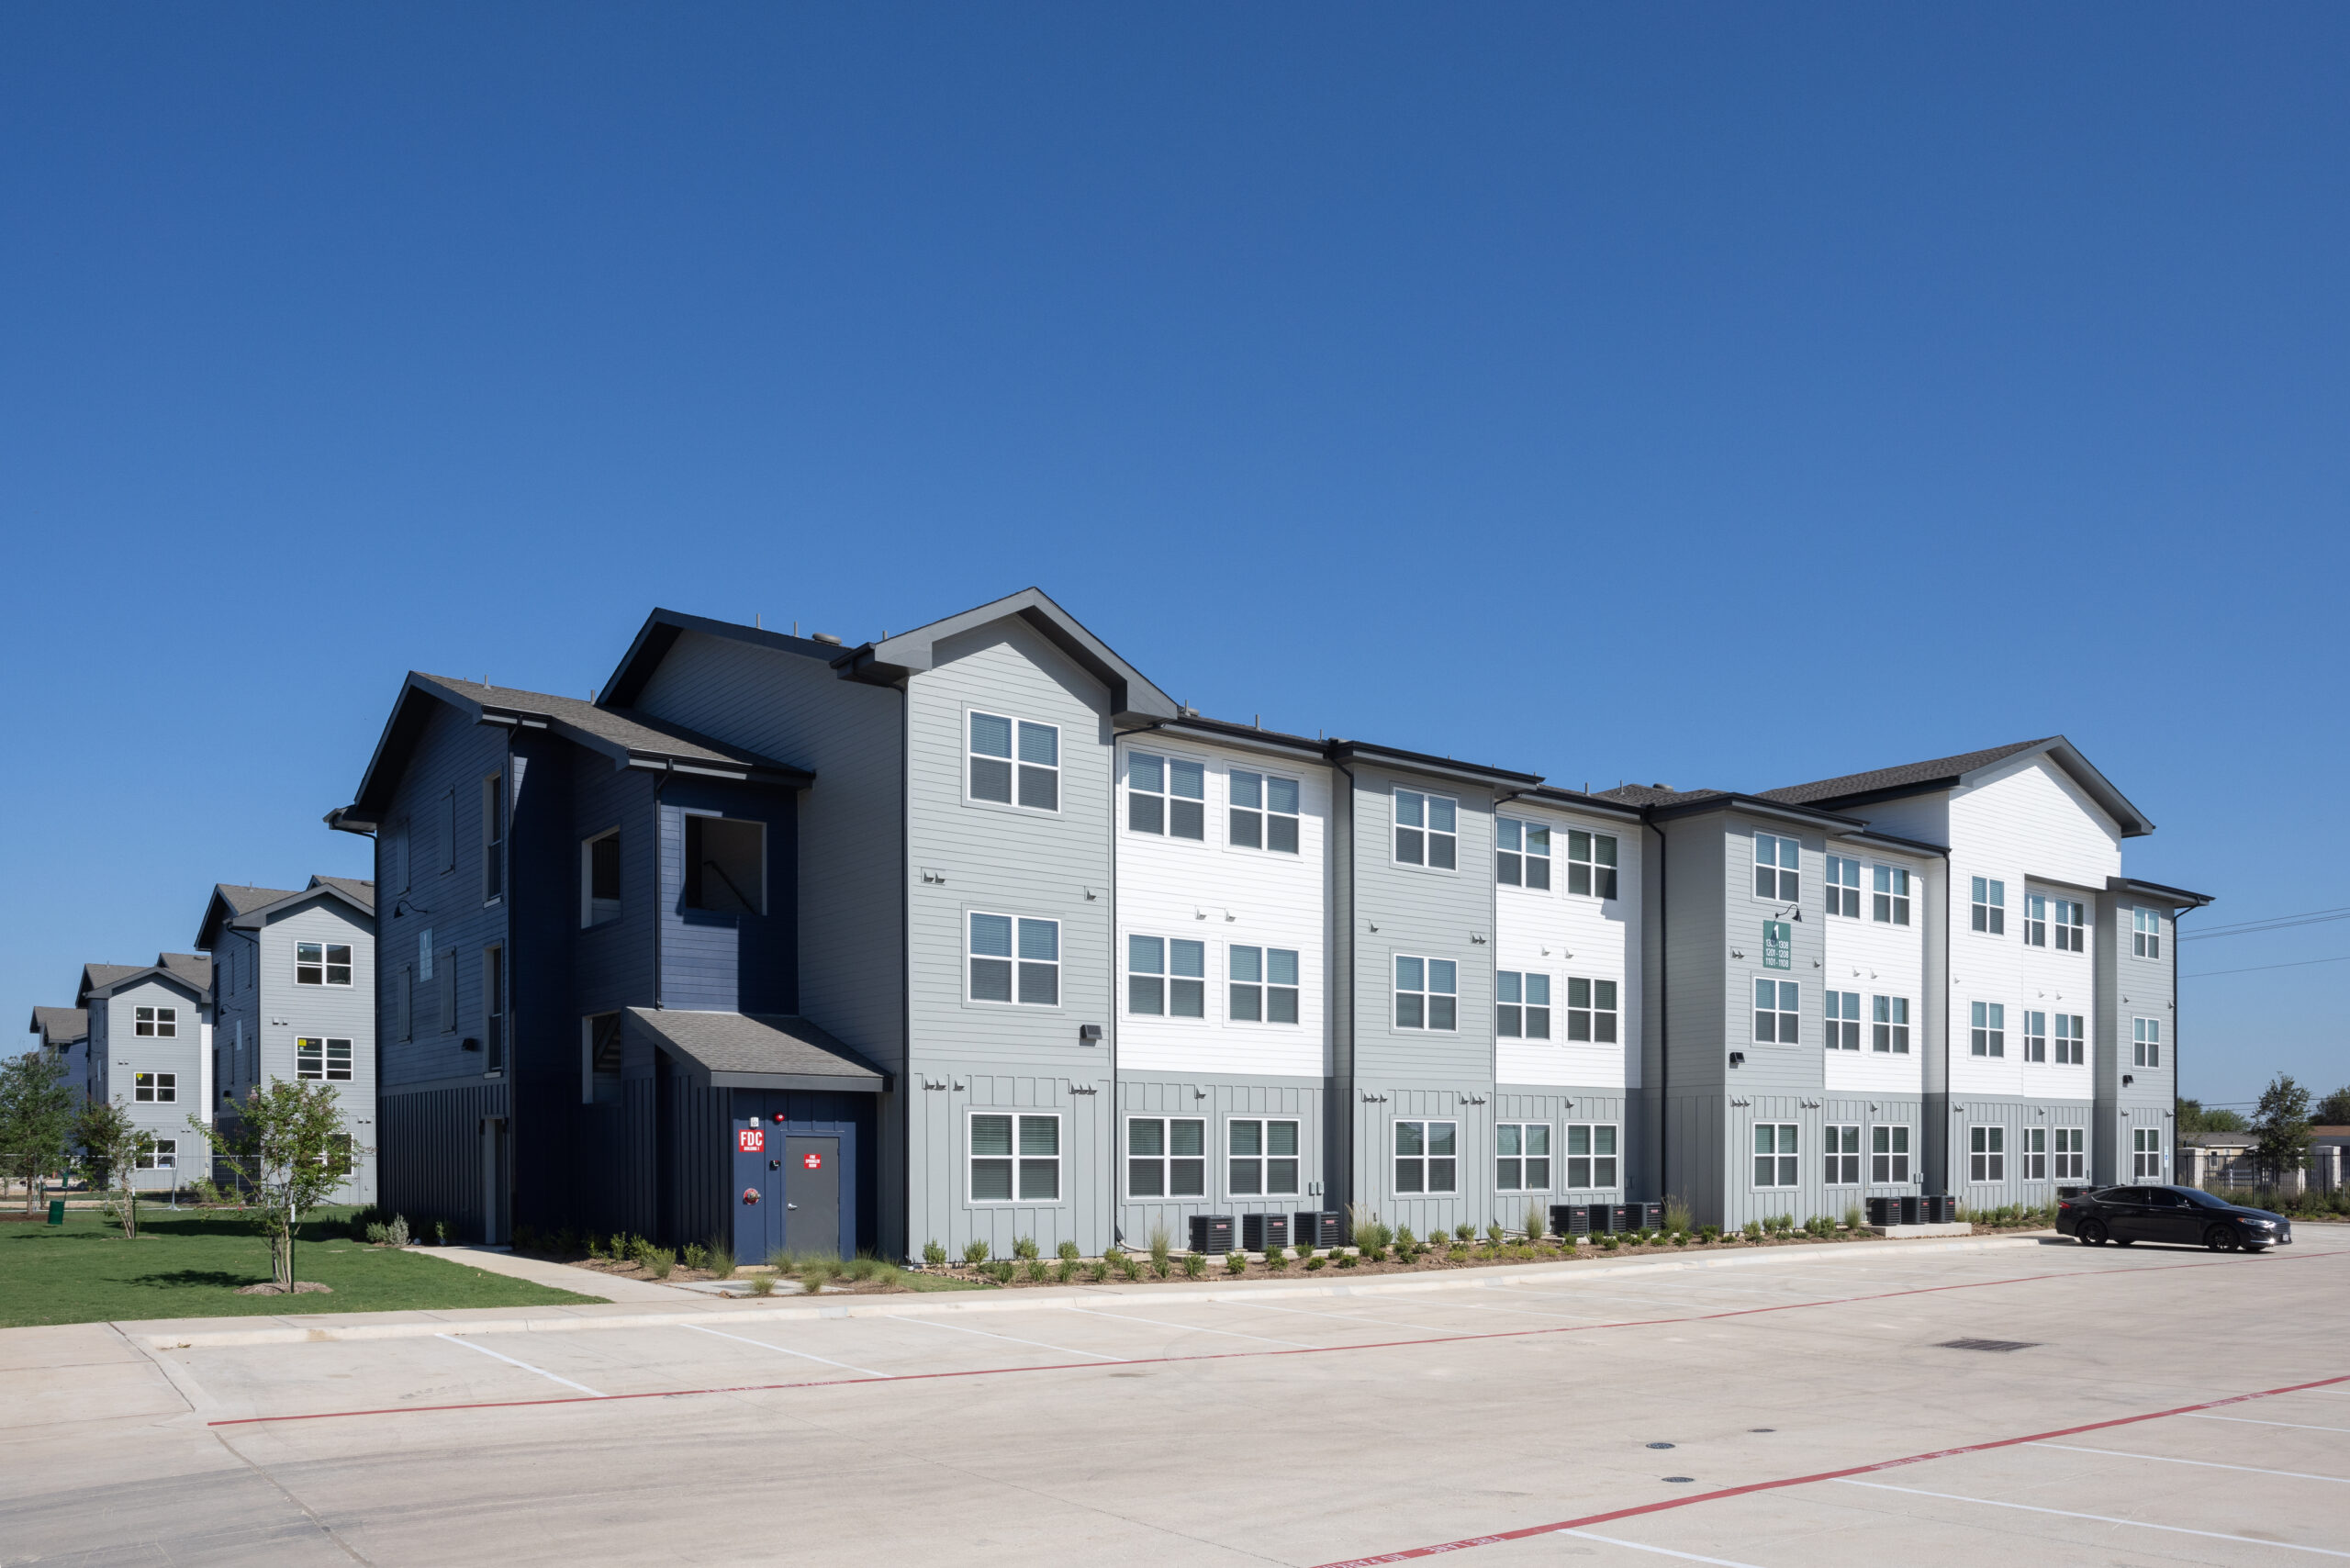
(1347, 868)
(1663, 994)
(1949, 1128)
(2174, 1040)
(905, 971)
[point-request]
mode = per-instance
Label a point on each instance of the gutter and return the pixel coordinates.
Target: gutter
(1354, 965)
(1663, 995)
(1118, 967)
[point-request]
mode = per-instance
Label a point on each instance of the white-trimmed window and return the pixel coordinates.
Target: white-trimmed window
(1167, 1157)
(155, 1088)
(2035, 1154)
(2072, 925)
(156, 1023)
(1888, 1154)
(1843, 1020)
(1889, 1026)
(1987, 1154)
(1521, 1005)
(1844, 887)
(1590, 1156)
(1843, 1149)
(1033, 976)
(162, 1154)
(2146, 933)
(1016, 1153)
(2147, 1042)
(1264, 811)
(2147, 1154)
(1988, 908)
(726, 864)
(1428, 994)
(2072, 1039)
(599, 878)
(1427, 829)
(1166, 977)
(1014, 762)
(1591, 863)
(1777, 1006)
(1167, 795)
(1522, 1157)
(2071, 1159)
(2035, 1034)
(1260, 1157)
(2035, 920)
(1426, 1156)
(322, 1058)
(1778, 863)
(1889, 895)
(1263, 981)
(321, 963)
(1777, 1155)
(1989, 1026)
(1591, 1010)
(1521, 854)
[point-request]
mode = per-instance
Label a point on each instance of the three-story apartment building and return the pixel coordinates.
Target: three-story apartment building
(150, 1052)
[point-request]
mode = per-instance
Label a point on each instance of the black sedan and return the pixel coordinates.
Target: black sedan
(2184, 1215)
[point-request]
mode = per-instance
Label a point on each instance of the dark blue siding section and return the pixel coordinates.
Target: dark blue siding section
(728, 963)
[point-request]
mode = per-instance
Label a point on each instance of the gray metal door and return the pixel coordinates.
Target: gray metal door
(812, 1189)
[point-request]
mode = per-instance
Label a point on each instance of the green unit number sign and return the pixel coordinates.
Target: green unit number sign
(1778, 944)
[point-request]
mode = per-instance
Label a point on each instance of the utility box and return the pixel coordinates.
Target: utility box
(1648, 1216)
(1211, 1233)
(1599, 1219)
(1913, 1208)
(1623, 1218)
(57, 1211)
(1262, 1233)
(1570, 1219)
(1940, 1209)
(1314, 1227)
(1885, 1211)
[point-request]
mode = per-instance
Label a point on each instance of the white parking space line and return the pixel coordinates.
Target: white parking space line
(1196, 1328)
(2249, 1421)
(2098, 1519)
(2204, 1464)
(787, 1350)
(1660, 1551)
(526, 1366)
(1057, 1349)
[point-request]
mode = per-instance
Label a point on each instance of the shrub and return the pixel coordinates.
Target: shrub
(1538, 1223)
(1405, 1242)
(526, 1238)
(1001, 1271)
(1064, 1270)
(1677, 1213)
(1025, 1248)
(1854, 1219)
(1127, 1266)
(1036, 1273)
(1681, 1239)
(1370, 1254)
(640, 1252)
(1276, 1258)
(866, 1266)
(763, 1284)
(933, 1254)
(595, 1248)
(719, 1258)
(1099, 1270)
(661, 1262)
(1464, 1232)
(1316, 1262)
(1067, 1252)
(1163, 1264)
(440, 1232)
(815, 1272)
(1235, 1262)
(1711, 1233)
(1609, 1242)
(974, 1252)
(1347, 1261)
(693, 1255)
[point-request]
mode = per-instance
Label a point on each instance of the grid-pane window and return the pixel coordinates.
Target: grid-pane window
(1989, 1029)
(1261, 1158)
(1015, 1157)
(2072, 919)
(1591, 863)
(1843, 1020)
(1889, 1026)
(1987, 1154)
(2147, 1154)
(162, 1154)
(322, 1058)
(1167, 1157)
(1843, 1151)
(2072, 1039)
(1522, 1157)
(1167, 795)
(1521, 854)
(1427, 994)
(1427, 1157)
(2147, 1042)
(1590, 1156)
(1264, 811)
(1988, 908)
(1844, 887)
(1427, 829)
(1263, 984)
(1522, 1005)
(155, 1088)
(1016, 959)
(1591, 1010)
(1776, 1009)
(321, 963)
(1167, 976)
(2072, 1159)
(1778, 862)
(2035, 1154)
(1777, 1155)
(1015, 761)
(156, 1023)
(1888, 1154)
(2035, 1034)
(1889, 895)
(2146, 933)
(2035, 920)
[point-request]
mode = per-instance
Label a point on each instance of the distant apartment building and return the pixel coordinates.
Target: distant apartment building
(151, 1053)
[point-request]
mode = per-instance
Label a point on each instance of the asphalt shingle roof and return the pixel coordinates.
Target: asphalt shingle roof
(62, 1024)
(756, 1043)
(242, 899)
(1903, 777)
(622, 726)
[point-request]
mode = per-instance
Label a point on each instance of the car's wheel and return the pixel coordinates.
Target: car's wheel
(2092, 1234)
(2220, 1238)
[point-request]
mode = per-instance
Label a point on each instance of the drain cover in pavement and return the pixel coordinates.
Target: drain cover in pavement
(1681, 1478)
(1660, 1445)
(1988, 1344)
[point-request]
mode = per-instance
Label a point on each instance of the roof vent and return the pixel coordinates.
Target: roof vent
(1666, 788)
(826, 637)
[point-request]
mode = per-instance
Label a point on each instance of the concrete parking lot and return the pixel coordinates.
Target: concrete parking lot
(1778, 1410)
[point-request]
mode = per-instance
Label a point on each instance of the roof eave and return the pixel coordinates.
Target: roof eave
(2180, 897)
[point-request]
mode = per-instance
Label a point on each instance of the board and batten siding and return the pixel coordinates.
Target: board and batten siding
(1217, 1102)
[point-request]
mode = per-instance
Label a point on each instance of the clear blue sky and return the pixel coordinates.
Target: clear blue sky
(1723, 396)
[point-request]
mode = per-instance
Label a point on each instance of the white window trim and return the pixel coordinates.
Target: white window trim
(1831, 1147)
(1265, 987)
(163, 1089)
(1994, 1030)
(2072, 936)
(1994, 914)
(1395, 1157)
(1779, 1014)
(1897, 902)
(2070, 1155)
(1858, 886)
(1781, 1160)
(1838, 1027)
(1059, 767)
(1266, 812)
(1778, 873)
(1165, 1158)
(1060, 1161)
(1396, 992)
(2146, 1033)
(1906, 1154)
(163, 1024)
(326, 965)
(1563, 862)
(2150, 931)
(1166, 977)
(1986, 1134)
(1550, 1009)
(1897, 1031)
(1395, 824)
(1550, 1159)
(1264, 1160)
(1551, 858)
(1562, 1020)
(1164, 795)
(1060, 979)
(2035, 1151)
(1567, 1156)
(162, 1154)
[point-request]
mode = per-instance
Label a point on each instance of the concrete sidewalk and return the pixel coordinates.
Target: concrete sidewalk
(559, 1276)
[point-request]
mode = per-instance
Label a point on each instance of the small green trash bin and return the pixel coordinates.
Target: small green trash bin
(57, 1211)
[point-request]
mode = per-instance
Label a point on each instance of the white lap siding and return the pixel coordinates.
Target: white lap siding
(1870, 958)
(1566, 936)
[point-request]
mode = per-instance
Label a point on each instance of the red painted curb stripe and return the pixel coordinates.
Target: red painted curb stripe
(1228, 1355)
(1657, 1507)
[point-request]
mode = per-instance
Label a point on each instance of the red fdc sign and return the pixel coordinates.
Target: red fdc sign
(812, 1162)
(751, 1140)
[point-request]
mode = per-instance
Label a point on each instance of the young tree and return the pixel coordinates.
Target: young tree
(2333, 1111)
(115, 1148)
(288, 1145)
(36, 1119)
(2280, 1127)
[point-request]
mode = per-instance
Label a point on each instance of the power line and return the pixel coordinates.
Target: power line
(2274, 923)
(2248, 969)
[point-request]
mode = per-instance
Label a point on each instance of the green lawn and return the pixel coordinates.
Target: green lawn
(189, 1265)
